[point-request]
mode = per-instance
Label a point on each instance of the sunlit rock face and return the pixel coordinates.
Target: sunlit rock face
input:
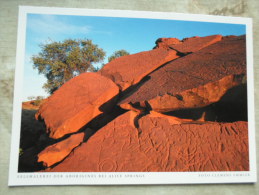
(179, 107)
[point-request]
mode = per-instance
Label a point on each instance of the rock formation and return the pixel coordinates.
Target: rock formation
(129, 70)
(158, 145)
(76, 103)
(190, 45)
(179, 107)
(204, 77)
(57, 152)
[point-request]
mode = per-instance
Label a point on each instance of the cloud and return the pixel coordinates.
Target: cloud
(49, 24)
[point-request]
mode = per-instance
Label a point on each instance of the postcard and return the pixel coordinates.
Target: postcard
(112, 97)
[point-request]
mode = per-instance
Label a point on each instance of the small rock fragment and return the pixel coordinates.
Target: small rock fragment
(57, 152)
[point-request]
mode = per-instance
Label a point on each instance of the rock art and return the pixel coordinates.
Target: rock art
(158, 145)
(195, 80)
(77, 102)
(57, 152)
(188, 45)
(175, 93)
(129, 70)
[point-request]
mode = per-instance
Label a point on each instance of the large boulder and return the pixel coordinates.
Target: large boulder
(195, 80)
(158, 144)
(77, 102)
(128, 70)
(57, 152)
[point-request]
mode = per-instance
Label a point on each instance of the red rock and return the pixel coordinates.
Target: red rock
(33, 104)
(129, 70)
(76, 103)
(57, 152)
(176, 120)
(196, 97)
(195, 80)
(188, 45)
(166, 42)
(158, 145)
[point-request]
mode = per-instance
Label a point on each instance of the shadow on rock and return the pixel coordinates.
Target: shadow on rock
(231, 107)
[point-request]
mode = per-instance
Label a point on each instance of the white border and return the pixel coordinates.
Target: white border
(18, 179)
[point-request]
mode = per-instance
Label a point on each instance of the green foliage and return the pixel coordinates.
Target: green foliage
(118, 54)
(20, 151)
(38, 100)
(96, 69)
(61, 61)
(31, 98)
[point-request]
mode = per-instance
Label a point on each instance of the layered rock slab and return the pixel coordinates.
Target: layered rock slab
(57, 152)
(158, 145)
(188, 45)
(129, 70)
(195, 80)
(76, 103)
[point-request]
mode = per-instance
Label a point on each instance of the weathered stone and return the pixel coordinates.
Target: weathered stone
(188, 45)
(166, 42)
(174, 104)
(173, 120)
(76, 103)
(195, 80)
(129, 70)
(196, 97)
(57, 152)
(158, 145)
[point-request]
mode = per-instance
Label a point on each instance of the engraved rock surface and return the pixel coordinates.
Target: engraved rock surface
(195, 80)
(129, 70)
(76, 103)
(158, 145)
(57, 152)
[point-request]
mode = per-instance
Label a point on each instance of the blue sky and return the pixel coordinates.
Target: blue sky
(110, 34)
